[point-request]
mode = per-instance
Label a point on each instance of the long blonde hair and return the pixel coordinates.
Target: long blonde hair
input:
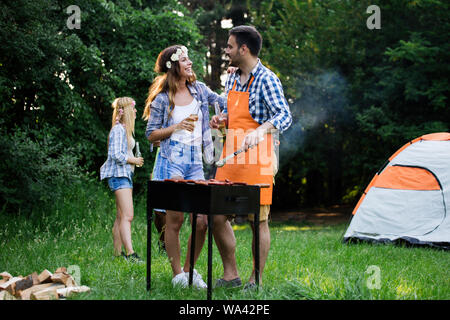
(123, 112)
(166, 82)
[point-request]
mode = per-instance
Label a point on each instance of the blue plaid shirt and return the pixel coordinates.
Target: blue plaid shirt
(116, 164)
(159, 117)
(266, 101)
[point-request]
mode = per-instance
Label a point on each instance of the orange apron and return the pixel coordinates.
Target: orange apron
(255, 165)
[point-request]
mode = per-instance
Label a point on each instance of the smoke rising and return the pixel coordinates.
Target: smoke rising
(321, 101)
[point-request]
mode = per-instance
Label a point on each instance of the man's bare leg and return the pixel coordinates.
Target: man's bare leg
(200, 236)
(226, 243)
(264, 246)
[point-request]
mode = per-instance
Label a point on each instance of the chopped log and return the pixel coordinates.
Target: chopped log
(5, 295)
(45, 276)
(71, 282)
(23, 285)
(61, 270)
(10, 285)
(6, 276)
(63, 278)
(26, 294)
(35, 278)
(50, 293)
(67, 292)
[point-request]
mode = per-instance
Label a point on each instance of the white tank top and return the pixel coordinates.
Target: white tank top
(130, 151)
(180, 113)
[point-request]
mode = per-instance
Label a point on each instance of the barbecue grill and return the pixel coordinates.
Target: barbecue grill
(208, 199)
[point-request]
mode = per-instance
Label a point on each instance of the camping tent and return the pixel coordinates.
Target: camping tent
(409, 197)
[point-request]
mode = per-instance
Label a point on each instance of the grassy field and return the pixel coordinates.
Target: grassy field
(305, 261)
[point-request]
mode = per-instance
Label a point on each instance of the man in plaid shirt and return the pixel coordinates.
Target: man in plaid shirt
(265, 112)
(266, 102)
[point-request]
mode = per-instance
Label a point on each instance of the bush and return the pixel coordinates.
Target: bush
(35, 169)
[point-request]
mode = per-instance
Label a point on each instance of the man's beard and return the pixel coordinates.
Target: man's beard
(234, 62)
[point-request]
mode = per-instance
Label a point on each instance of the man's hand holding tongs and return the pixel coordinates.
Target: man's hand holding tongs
(256, 136)
(252, 139)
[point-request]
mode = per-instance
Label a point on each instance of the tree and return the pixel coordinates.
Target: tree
(356, 94)
(209, 16)
(63, 80)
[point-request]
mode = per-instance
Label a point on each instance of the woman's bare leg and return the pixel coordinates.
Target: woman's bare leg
(174, 221)
(124, 200)
(117, 240)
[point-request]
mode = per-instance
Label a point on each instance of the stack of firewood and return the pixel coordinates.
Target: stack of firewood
(45, 286)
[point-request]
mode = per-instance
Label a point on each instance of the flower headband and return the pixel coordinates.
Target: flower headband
(176, 56)
(120, 111)
(119, 115)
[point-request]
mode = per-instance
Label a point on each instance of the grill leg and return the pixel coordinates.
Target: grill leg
(149, 245)
(256, 224)
(210, 226)
(191, 261)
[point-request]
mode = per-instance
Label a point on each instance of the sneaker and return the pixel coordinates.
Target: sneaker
(197, 280)
(222, 283)
(180, 280)
(134, 258)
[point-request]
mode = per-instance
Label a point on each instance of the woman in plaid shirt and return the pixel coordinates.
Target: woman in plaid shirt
(118, 169)
(178, 116)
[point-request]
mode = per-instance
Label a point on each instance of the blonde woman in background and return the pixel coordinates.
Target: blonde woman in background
(119, 170)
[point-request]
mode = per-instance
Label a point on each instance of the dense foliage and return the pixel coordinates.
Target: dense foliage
(65, 79)
(357, 94)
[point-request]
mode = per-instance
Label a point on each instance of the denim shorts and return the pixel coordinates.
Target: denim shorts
(116, 183)
(185, 161)
(160, 169)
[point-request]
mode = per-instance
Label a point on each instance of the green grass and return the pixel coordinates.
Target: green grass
(305, 261)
